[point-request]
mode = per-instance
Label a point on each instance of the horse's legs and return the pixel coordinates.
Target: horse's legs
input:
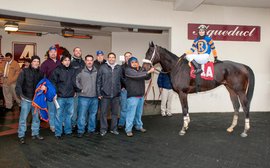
(236, 106)
(245, 106)
(186, 119)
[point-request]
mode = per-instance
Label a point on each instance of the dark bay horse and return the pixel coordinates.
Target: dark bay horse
(237, 78)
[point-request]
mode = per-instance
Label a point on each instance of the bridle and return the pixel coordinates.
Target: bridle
(150, 61)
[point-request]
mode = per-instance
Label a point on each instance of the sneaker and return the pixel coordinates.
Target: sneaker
(115, 132)
(163, 114)
(59, 137)
(129, 134)
(22, 141)
(52, 129)
(79, 135)
(142, 130)
(103, 133)
(169, 114)
(38, 137)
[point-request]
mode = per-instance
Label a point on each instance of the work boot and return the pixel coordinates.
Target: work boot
(22, 140)
(197, 67)
(38, 137)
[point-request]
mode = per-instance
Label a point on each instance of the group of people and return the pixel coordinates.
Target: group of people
(84, 87)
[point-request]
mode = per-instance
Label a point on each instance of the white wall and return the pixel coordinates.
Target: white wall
(88, 46)
(161, 14)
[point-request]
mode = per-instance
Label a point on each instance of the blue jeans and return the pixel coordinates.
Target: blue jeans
(87, 112)
(75, 112)
(63, 116)
(134, 113)
(26, 107)
(123, 103)
(51, 111)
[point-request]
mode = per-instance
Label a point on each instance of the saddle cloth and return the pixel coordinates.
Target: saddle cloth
(208, 71)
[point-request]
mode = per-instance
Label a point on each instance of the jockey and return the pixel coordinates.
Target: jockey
(203, 44)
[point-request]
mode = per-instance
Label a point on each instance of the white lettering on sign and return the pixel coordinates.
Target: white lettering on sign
(27, 52)
(227, 32)
(208, 72)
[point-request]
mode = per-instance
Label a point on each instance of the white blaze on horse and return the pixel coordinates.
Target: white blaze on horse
(238, 79)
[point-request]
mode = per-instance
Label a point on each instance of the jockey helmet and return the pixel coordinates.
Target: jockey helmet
(202, 27)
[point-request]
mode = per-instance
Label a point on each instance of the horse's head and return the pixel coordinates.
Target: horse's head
(152, 56)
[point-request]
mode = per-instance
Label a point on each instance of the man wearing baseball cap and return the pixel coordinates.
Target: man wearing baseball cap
(99, 59)
(47, 67)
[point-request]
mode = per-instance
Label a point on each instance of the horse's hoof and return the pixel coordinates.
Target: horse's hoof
(182, 133)
(244, 135)
(230, 130)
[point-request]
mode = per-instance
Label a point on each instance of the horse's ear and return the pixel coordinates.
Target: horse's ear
(151, 44)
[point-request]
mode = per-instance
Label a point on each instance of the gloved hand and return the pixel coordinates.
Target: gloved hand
(217, 61)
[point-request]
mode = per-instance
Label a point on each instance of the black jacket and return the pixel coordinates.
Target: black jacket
(77, 64)
(123, 82)
(64, 80)
(135, 84)
(109, 81)
(98, 64)
(27, 82)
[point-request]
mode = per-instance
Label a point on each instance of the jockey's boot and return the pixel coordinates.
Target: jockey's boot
(197, 67)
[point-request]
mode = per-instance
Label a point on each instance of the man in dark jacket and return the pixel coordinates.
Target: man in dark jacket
(109, 89)
(86, 81)
(100, 59)
(77, 63)
(25, 89)
(165, 89)
(63, 78)
(135, 85)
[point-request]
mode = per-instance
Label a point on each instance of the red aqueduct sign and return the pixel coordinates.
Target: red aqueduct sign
(228, 32)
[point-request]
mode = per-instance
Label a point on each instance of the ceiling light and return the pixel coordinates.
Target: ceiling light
(68, 32)
(11, 26)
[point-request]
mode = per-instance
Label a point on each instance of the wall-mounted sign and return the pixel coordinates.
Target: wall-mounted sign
(227, 32)
(23, 50)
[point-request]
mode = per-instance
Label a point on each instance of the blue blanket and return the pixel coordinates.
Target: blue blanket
(41, 97)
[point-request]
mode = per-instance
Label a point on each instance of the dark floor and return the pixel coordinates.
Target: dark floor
(206, 145)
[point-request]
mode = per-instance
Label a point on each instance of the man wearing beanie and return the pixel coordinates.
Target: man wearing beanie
(63, 78)
(47, 67)
(135, 77)
(25, 89)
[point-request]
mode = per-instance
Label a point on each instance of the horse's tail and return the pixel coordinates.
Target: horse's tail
(251, 84)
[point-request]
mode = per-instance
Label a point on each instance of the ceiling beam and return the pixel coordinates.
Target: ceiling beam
(187, 5)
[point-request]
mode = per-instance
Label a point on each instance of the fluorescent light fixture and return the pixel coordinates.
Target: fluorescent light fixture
(11, 26)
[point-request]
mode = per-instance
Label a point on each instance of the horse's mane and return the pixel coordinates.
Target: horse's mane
(173, 55)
